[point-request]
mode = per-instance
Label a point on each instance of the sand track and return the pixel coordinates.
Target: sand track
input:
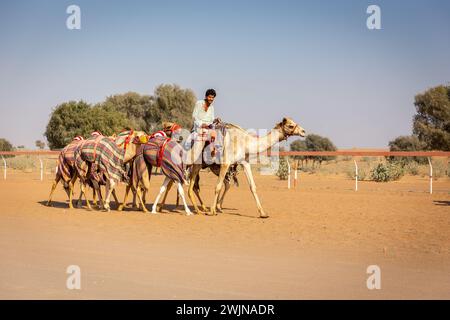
(317, 243)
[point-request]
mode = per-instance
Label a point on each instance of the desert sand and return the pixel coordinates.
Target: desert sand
(317, 244)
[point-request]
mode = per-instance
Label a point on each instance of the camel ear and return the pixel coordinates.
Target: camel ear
(284, 120)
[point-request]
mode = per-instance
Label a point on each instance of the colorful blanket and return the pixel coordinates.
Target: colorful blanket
(98, 157)
(66, 160)
(159, 152)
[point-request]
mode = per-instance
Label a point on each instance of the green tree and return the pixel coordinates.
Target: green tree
(431, 124)
(299, 145)
(133, 105)
(40, 144)
(5, 145)
(67, 120)
(171, 103)
(407, 143)
(314, 142)
(79, 118)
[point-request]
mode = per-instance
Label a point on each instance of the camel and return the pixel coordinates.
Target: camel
(214, 168)
(238, 146)
(101, 158)
(168, 128)
(66, 171)
(162, 152)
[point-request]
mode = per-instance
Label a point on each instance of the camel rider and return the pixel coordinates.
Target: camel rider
(203, 130)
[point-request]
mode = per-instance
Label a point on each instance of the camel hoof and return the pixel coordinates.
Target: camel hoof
(211, 213)
(264, 216)
(189, 213)
(152, 212)
(120, 208)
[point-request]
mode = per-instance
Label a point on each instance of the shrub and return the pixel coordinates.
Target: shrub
(362, 173)
(283, 171)
(385, 172)
(412, 168)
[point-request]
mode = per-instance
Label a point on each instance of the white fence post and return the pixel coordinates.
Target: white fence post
(295, 175)
(4, 167)
(289, 173)
(42, 169)
(431, 175)
(356, 175)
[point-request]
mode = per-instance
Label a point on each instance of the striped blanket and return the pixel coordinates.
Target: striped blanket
(159, 152)
(98, 157)
(66, 161)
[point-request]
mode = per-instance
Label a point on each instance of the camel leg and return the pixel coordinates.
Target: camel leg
(194, 172)
(223, 171)
(71, 185)
(222, 196)
(134, 204)
(197, 192)
(181, 193)
(160, 206)
(83, 192)
(79, 202)
(94, 197)
(143, 184)
(122, 205)
(98, 191)
(251, 182)
(139, 197)
(161, 191)
(110, 184)
(115, 197)
(88, 204)
(55, 183)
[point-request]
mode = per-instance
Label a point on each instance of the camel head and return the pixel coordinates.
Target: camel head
(173, 130)
(170, 127)
(130, 141)
(288, 127)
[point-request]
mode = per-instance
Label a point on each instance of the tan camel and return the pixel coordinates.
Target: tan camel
(127, 141)
(238, 146)
(168, 128)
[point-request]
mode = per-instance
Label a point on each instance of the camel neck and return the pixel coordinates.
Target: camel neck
(267, 141)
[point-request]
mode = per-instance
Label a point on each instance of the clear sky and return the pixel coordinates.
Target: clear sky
(314, 61)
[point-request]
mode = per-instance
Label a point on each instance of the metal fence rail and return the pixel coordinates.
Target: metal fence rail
(350, 153)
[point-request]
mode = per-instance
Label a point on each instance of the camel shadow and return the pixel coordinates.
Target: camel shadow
(65, 205)
(238, 214)
(55, 204)
(441, 202)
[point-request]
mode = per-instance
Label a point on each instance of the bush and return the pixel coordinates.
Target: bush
(385, 172)
(439, 168)
(412, 168)
(362, 173)
(283, 171)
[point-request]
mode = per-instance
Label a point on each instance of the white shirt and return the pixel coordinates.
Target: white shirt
(201, 116)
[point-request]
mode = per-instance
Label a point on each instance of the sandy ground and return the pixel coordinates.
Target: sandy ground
(318, 242)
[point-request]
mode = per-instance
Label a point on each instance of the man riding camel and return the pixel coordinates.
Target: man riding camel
(203, 130)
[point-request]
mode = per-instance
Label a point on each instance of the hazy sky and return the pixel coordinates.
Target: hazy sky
(314, 61)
